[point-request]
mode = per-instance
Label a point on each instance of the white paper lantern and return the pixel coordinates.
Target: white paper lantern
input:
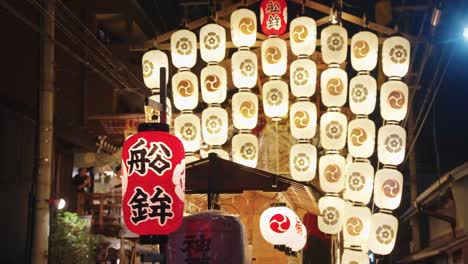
(330, 220)
(243, 28)
(185, 90)
(274, 56)
(359, 182)
(362, 94)
(391, 144)
(191, 158)
(214, 125)
(383, 232)
(303, 35)
(334, 87)
(364, 48)
(149, 110)
(187, 129)
(244, 110)
(356, 225)
(183, 48)
(218, 151)
(151, 62)
(354, 257)
(303, 119)
(394, 100)
(275, 96)
(303, 161)
(303, 76)
(244, 66)
(395, 56)
(361, 138)
(334, 40)
(212, 43)
(293, 237)
(388, 188)
(300, 241)
(213, 81)
(332, 173)
(245, 149)
(277, 224)
(333, 126)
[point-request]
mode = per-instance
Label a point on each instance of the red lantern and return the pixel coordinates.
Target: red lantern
(274, 16)
(153, 182)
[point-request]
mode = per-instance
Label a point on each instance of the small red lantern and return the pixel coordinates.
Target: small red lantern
(274, 17)
(154, 181)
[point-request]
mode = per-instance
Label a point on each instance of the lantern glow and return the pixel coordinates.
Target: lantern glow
(303, 75)
(362, 94)
(332, 173)
(364, 48)
(361, 138)
(391, 144)
(303, 161)
(334, 87)
(303, 35)
(330, 220)
(275, 96)
(333, 126)
(274, 56)
(243, 28)
(212, 43)
(185, 90)
(245, 149)
(244, 69)
(395, 56)
(303, 120)
(244, 110)
(383, 233)
(215, 125)
(151, 62)
(388, 188)
(187, 129)
(213, 82)
(334, 44)
(184, 48)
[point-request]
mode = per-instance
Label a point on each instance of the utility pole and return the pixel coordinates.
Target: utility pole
(414, 221)
(46, 138)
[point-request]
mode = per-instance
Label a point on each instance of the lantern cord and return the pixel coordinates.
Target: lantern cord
(277, 148)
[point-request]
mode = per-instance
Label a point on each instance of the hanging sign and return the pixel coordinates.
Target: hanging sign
(153, 183)
(274, 17)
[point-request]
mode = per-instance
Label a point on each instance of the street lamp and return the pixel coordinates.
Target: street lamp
(465, 33)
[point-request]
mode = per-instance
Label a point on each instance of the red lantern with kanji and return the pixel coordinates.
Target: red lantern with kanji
(274, 17)
(153, 183)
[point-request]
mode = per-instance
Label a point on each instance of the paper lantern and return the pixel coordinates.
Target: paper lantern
(364, 48)
(354, 257)
(185, 90)
(332, 173)
(215, 125)
(303, 161)
(244, 110)
(359, 182)
(334, 87)
(303, 36)
(274, 56)
(303, 119)
(245, 149)
(244, 69)
(153, 207)
(243, 28)
(191, 158)
(361, 138)
(383, 232)
(395, 56)
(183, 48)
(213, 82)
(333, 126)
(218, 151)
(276, 224)
(273, 17)
(334, 40)
(356, 226)
(388, 188)
(391, 144)
(394, 100)
(331, 216)
(151, 62)
(212, 43)
(303, 76)
(149, 110)
(300, 241)
(275, 97)
(187, 129)
(362, 94)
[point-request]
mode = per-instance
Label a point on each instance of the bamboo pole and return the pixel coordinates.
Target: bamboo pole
(46, 127)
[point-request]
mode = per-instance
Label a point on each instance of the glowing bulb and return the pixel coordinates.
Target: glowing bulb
(465, 32)
(61, 204)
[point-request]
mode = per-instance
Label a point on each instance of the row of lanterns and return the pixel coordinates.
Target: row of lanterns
(354, 179)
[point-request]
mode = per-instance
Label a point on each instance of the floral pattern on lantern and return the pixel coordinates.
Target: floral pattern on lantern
(395, 56)
(361, 138)
(187, 129)
(274, 56)
(359, 182)
(383, 232)
(303, 119)
(303, 75)
(303, 35)
(244, 69)
(185, 90)
(151, 62)
(364, 48)
(394, 100)
(243, 28)
(334, 44)
(333, 126)
(391, 144)
(212, 43)
(362, 94)
(245, 149)
(303, 162)
(244, 110)
(332, 173)
(184, 48)
(330, 220)
(334, 87)
(214, 125)
(388, 188)
(275, 97)
(213, 80)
